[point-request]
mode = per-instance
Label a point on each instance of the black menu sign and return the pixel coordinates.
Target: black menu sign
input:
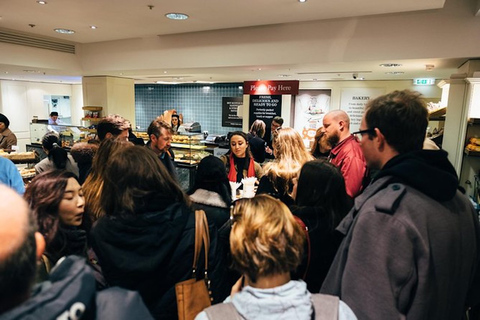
(229, 111)
(265, 107)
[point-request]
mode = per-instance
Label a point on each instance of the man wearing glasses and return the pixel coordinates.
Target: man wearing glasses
(346, 153)
(411, 246)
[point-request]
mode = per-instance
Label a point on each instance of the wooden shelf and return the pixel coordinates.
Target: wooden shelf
(473, 121)
(91, 108)
(188, 146)
(92, 119)
(437, 115)
(471, 153)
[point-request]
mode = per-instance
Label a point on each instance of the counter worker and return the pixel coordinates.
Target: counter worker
(277, 122)
(53, 118)
(175, 122)
(160, 135)
(7, 137)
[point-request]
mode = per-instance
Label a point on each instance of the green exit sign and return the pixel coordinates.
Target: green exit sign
(423, 81)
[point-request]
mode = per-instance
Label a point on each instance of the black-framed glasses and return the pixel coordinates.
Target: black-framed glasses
(359, 134)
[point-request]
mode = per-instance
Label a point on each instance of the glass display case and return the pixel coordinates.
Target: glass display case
(189, 148)
(69, 134)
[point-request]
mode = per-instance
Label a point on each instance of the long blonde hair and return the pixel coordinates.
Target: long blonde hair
(290, 155)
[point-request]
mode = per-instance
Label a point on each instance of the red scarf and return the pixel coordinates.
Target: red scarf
(232, 174)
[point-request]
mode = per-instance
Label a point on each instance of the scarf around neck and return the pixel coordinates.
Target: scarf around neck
(232, 174)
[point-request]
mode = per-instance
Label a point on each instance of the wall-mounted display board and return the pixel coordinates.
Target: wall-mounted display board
(265, 107)
(353, 102)
(230, 116)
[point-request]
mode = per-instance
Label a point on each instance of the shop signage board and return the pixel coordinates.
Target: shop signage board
(265, 107)
(310, 108)
(353, 102)
(230, 116)
(270, 87)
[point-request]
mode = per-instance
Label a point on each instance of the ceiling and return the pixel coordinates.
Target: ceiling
(128, 19)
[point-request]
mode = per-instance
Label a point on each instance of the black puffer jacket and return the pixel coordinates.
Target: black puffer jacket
(151, 251)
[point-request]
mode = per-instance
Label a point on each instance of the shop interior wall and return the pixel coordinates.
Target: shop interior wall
(205, 106)
(195, 102)
(20, 101)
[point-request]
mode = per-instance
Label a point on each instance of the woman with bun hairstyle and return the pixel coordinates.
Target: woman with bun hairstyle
(211, 191)
(58, 158)
(239, 160)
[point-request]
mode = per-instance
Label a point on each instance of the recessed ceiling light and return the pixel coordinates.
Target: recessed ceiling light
(93, 27)
(64, 31)
(302, 1)
(41, 2)
(390, 65)
(176, 16)
(284, 75)
(395, 72)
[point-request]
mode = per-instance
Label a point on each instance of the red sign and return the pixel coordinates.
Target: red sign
(270, 87)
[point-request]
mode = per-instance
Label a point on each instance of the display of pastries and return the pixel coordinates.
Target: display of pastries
(19, 156)
(27, 173)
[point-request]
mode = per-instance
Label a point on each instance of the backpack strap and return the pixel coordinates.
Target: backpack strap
(223, 311)
(325, 306)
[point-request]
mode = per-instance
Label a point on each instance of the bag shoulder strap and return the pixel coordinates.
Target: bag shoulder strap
(325, 306)
(222, 311)
(199, 236)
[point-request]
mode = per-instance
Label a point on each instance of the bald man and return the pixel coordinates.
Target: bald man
(20, 247)
(69, 294)
(346, 153)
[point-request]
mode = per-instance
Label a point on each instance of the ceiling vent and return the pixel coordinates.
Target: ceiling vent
(31, 41)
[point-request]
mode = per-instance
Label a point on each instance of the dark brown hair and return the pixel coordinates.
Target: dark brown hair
(43, 196)
(402, 117)
(135, 177)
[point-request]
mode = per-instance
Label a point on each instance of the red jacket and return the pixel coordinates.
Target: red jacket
(348, 157)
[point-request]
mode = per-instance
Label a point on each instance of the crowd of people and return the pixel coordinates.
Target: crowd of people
(365, 225)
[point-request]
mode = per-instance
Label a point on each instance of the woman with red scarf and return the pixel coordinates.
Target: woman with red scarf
(239, 160)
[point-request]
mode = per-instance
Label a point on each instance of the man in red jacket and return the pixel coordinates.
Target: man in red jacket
(346, 153)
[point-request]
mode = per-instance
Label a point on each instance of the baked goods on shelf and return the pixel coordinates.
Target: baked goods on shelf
(19, 156)
(27, 173)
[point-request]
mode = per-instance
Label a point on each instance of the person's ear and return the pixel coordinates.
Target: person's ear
(108, 135)
(379, 139)
(153, 138)
(40, 241)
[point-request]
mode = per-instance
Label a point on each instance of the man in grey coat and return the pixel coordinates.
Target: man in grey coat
(411, 246)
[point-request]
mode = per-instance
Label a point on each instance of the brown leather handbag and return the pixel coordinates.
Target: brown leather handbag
(194, 295)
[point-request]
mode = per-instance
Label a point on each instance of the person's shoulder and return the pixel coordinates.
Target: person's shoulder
(131, 306)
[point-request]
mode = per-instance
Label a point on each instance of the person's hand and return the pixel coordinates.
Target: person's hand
(238, 286)
(268, 150)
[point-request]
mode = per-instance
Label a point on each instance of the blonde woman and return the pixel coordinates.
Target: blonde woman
(290, 155)
(266, 245)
